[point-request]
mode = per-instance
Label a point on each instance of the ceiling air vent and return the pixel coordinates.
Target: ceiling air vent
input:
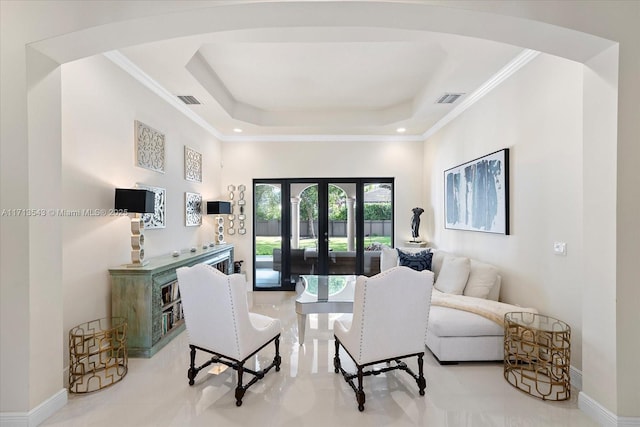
(449, 98)
(188, 99)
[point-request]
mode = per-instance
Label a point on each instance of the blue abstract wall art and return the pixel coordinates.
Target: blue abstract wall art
(476, 194)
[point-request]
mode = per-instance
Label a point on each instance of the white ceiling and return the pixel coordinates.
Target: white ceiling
(321, 81)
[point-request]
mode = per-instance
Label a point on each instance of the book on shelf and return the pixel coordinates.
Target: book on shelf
(175, 293)
(170, 293)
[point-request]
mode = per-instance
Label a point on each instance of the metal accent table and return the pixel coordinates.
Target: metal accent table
(323, 294)
(537, 354)
(97, 354)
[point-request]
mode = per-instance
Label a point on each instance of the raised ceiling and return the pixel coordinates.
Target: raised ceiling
(311, 82)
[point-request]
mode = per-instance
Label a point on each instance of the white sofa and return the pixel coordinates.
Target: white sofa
(454, 334)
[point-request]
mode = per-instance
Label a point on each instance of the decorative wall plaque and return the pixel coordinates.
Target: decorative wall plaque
(192, 209)
(230, 229)
(156, 219)
(192, 165)
(150, 147)
(241, 206)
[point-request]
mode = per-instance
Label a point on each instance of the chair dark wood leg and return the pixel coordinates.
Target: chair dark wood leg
(360, 393)
(422, 383)
(239, 388)
(277, 359)
(192, 372)
(336, 358)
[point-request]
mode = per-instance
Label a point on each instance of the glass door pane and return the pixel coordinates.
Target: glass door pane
(304, 229)
(378, 223)
(268, 231)
(341, 228)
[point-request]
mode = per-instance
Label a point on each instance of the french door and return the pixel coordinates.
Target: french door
(319, 226)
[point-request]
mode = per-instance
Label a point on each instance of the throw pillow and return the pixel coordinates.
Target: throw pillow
(482, 278)
(436, 263)
(418, 261)
(453, 275)
(388, 258)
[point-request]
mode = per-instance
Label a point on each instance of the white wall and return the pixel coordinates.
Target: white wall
(245, 161)
(599, 230)
(100, 104)
(537, 114)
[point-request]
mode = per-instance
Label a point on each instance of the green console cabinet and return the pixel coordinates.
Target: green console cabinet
(148, 297)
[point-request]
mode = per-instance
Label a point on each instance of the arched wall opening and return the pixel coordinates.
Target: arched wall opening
(39, 178)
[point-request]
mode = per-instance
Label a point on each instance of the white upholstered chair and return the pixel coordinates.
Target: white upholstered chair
(389, 323)
(218, 322)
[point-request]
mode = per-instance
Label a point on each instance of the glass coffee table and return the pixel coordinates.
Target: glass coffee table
(323, 294)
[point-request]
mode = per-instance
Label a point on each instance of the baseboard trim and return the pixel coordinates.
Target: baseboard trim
(575, 376)
(37, 415)
(602, 415)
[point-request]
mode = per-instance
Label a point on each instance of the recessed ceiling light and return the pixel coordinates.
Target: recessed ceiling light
(237, 130)
(401, 130)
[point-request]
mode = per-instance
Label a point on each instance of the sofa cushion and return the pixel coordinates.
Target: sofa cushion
(418, 261)
(494, 293)
(482, 278)
(453, 275)
(449, 322)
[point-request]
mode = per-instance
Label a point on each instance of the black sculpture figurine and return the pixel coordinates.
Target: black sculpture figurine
(415, 223)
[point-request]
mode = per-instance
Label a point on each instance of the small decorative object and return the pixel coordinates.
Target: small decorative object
(193, 249)
(415, 224)
(150, 147)
(135, 201)
(476, 195)
(157, 218)
(218, 208)
(192, 165)
(175, 253)
(192, 205)
(205, 246)
(237, 266)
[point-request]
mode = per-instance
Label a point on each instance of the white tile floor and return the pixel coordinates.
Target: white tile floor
(306, 392)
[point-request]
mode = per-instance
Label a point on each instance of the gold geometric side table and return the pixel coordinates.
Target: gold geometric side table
(97, 354)
(537, 354)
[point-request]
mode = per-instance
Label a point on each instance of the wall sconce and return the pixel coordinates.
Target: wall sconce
(134, 201)
(217, 208)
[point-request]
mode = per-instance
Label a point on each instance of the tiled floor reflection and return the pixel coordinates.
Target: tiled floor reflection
(306, 392)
